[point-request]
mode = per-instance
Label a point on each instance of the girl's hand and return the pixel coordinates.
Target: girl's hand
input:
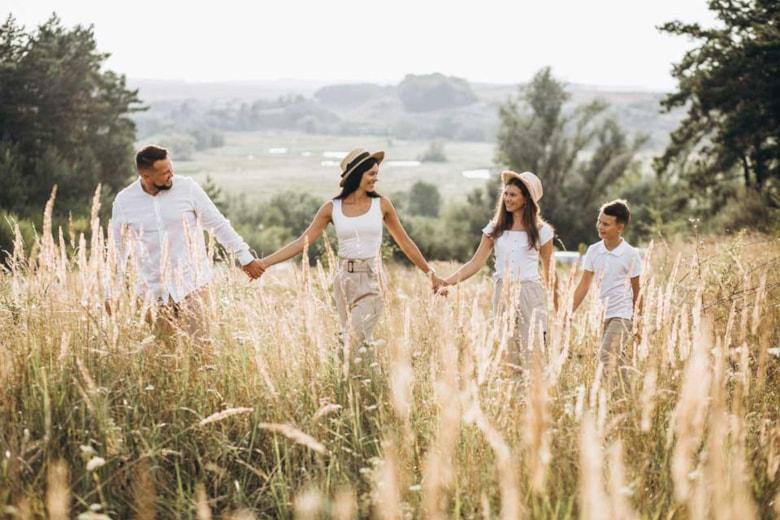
(438, 285)
(436, 282)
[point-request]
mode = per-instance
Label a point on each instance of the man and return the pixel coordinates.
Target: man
(160, 218)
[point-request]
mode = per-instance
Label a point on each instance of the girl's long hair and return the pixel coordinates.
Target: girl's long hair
(353, 181)
(532, 218)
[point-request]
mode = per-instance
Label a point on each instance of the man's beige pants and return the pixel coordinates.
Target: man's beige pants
(187, 316)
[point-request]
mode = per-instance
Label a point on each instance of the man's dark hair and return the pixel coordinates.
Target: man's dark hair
(146, 156)
(617, 208)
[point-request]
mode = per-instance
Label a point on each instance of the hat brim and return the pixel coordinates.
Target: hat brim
(509, 174)
(379, 156)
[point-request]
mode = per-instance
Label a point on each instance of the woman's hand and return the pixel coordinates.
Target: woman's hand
(254, 269)
(438, 285)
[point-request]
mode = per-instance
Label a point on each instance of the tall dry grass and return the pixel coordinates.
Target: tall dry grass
(271, 417)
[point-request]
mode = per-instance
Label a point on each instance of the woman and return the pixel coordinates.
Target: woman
(357, 213)
(520, 238)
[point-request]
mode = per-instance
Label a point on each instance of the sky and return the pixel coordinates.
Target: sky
(613, 43)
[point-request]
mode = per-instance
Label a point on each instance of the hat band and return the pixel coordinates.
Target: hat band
(354, 162)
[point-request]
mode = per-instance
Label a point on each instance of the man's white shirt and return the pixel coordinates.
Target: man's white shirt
(613, 270)
(163, 233)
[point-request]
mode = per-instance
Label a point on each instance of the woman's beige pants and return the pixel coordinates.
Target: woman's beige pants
(358, 301)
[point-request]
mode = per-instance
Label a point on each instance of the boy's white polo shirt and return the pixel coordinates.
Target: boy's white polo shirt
(613, 270)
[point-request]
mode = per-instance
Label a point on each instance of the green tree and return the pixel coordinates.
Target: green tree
(579, 156)
(729, 84)
(215, 193)
(424, 199)
(63, 120)
(269, 225)
(463, 222)
(434, 153)
(454, 236)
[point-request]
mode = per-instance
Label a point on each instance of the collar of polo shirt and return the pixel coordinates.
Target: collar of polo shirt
(618, 251)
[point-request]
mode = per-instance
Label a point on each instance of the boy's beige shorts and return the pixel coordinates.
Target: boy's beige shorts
(358, 300)
(617, 332)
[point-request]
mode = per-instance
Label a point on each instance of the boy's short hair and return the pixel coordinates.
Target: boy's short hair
(617, 208)
(146, 156)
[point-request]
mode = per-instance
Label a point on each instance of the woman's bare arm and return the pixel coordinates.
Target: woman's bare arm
(476, 262)
(309, 236)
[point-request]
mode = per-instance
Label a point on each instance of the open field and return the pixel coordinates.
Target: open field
(251, 163)
(271, 418)
(258, 165)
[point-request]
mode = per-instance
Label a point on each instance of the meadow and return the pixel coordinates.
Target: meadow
(273, 417)
(260, 164)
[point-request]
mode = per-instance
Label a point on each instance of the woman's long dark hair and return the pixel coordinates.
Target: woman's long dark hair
(354, 178)
(532, 218)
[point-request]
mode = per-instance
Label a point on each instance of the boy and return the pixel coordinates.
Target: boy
(617, 267)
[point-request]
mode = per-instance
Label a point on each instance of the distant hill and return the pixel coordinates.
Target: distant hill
(431, 92)
(154, 90)
(349, 96)
(430, 106)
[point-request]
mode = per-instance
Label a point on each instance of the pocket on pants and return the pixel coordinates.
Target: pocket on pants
(367, 286)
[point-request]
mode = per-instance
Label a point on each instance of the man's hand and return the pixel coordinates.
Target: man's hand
(254, 269)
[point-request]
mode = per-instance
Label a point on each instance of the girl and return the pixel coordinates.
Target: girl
(357, 213)
(520, 238)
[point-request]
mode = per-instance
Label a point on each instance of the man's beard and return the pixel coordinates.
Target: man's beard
(164, 187)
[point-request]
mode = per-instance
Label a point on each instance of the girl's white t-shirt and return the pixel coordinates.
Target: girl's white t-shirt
(514, 259)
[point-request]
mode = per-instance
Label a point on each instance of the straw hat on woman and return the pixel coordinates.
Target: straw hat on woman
(358, 214)
(520, 238)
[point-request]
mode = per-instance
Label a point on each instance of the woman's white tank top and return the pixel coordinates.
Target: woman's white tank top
(359, 237)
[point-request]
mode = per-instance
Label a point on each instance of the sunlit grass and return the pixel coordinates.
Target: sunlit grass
(270, 418)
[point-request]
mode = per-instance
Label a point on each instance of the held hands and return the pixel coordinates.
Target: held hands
(254, 269)
(438, 284)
